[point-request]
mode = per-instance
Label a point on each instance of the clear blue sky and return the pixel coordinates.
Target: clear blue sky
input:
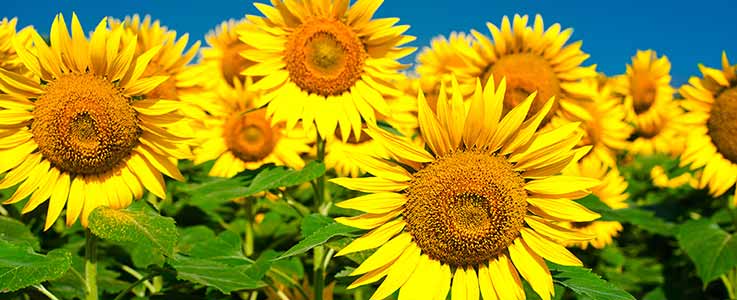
(687, 32)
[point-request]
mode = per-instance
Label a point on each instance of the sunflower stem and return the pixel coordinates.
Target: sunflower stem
(319, 251)
(90, 265)
(44, 291)
(248, 240)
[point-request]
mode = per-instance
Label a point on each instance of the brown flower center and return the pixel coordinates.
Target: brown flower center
(233, 62)
(465, 208)
(249, 135)
(325, 57)
(722, 125)
(525, 74)
(643, 89)
(83, 124)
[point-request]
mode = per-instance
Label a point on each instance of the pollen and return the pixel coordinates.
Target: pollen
(721, 124)
(83, 124)
(250, 136)
(465, 208)
(526, 73)
(643, 90)
(325, 57)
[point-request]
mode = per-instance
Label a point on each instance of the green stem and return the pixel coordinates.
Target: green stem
(248, 239)
(133, 285)
(90, 265)
(44, 291)
(358, 294)
(319, 251)
(138, 276)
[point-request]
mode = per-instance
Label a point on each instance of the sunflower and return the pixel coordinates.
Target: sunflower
(82, 135)
(457, 213)
(222, 56)
(326, 63)
(710, 102)
(444, 57)
(9, 59)
(239, 136)
(611, 191)
(667, 135)
(646, 90)
(530, 58)
(660, 179)
(602, 117)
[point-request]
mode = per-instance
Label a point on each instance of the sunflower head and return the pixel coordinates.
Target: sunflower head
(711, 111)
(646, 89)
(222, 58)
(82, 133)
(477, 208)
(325, 63)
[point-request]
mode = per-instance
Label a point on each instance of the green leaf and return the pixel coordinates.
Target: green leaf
(225, 248)
(319, 230)
(214, 274)
(639, 217)
(21, 267)
(132, 225)
(14, 231)
(210, 195)
(583, 282)
(69, 285)
(712, 250)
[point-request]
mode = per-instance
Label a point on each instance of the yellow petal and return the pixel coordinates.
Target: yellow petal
(375, 203)
(76, 200)
(399, 147)
(381, 168)
(549, 249)
(374, 238)
(561, 209)
(562, 185)
(370, 184)
(58, 199)
(458, 290)
(556, 232)
(385, 255)
(399, 272)
(510, 124)
(485, 284)
(148, 175)
(431, 131)
(532, 267)
(422, 284)
(506, 281)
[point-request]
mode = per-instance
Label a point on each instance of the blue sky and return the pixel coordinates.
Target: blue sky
(687, 32)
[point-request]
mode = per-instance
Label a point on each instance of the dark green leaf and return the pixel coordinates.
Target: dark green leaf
(318, 234)
(210, 195)
(225, 249)
(14, 231)
(21, 267)
(214, 274)
(636, 216)
(713, 250)
(147, 229)
(583, 282)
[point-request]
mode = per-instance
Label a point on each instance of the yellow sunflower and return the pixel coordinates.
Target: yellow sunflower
(81, 136)
(222, 56)
(325, 63)
(9, 59)
(444, 57)
(239, 136)
(646, 90)
(602, 117)
(453, 218)
(666, 135)
(710, 102)
(611, 191)
(530, 58)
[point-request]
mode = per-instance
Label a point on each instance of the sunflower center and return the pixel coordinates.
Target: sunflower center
(250, 136)
(721, 124)
(233, 62)
(643, 92)
(465, 208)
(83, 124)
(525, 73)
(325, 57)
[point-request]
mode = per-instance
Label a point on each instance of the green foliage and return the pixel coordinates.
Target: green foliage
(136, 224)
(13, 231)
(317, 230)
(712, 250)
(583, 282)
(20, 266)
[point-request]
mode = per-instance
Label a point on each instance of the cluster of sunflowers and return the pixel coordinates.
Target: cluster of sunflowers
(469, 168)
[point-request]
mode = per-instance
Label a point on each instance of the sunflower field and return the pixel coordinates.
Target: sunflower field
(295, 155)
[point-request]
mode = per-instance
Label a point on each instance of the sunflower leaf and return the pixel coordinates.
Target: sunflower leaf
(14, 231)
(20, 266)
(316, 230)
(210, 195)
(133, 225)
(214, 274)
(642, 218)
(712, 250)
(583, 282)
